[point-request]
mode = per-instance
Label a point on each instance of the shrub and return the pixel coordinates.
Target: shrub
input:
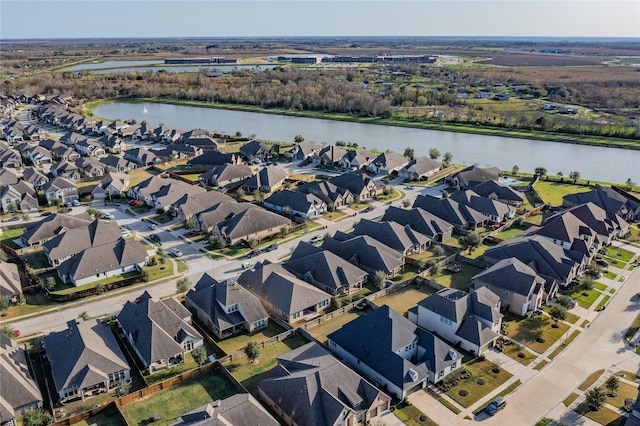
(252, 351)
(463, 392)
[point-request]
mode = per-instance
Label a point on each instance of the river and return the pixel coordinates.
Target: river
(593, 162)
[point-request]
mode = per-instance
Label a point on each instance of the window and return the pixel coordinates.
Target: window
(188, 346)
(446, 320)
(232, 308)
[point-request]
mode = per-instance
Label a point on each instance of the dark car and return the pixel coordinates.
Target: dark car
(496, 405)
(155, 238)
(272, 247)
(254, 253)
(45, 214)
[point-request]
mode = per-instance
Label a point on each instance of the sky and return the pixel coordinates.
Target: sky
(21, 19)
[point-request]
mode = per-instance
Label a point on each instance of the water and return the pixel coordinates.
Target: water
(593, 162)
(110, 67)
(111, 64)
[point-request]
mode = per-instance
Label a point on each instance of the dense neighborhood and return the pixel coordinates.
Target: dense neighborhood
(297, 283)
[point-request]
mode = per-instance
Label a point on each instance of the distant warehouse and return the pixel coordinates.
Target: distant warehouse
(212, 60)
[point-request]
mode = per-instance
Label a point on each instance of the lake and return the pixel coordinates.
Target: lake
(593, 162)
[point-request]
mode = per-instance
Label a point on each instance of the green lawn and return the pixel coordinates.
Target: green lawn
(410, 416)
(609, 274)
(513, 350)
(236, 343)
(252, 374)
(604, 416)
(479, 370)
(527, 331)
(539, 366)
(514, 231)
(36, 259)
(593, 377)
(626, 391)
(552, 192)
(162, 375)
(600, 286)
(603, 302)
(182, 267)
(571, 318)
(108, 417)
(459, 280)
(401, 300)
(564, 344)
(569, 400)
(159, 271)
(584, 298)
(174, 402)
(8, 235)
(619, 254)
(633, 328)
(321, 331)
(334, 216)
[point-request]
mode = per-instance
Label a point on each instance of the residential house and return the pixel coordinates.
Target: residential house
(117, 164)
(72, 139)
(498, 192)
(366, 253)
(398, 237)
(8, 177)
(35, 177)
(226, 174)
(128, 131)
(226, 308)
(144, 132)
(166, 134)
(194, 133)
(85, 360)
(115, 127)
(356, 159)
(362, 187)
(211, 159)
(112, 185)
(394, 352)
(307, 206)
(328, 192)
(330, 155)
(302, 151)
(251, 224)
(112, 144)
(65, 169)
(19, 391)
(472, 320)
(461, 216)
(238, 409)
(90, 167)
(39, 155)
(66, 244)
(20, 196)
(160, 193)
(283, 294)
(547, 259)
(188, 206)
(387, 163)
(178, 151)
(472, 176)
(10, 285)
(494, 211)
(60, 189)
(103, 261)
(320, 384)
(202, 142)
(266, 180)
(10, 158)
(100, 128)
(65, 153)
(13, 132)
(420, 169)
(207, 219)
(159, 331)
(421, 221)
(519, 287)
(51, 226)
(141, 156)
(325, 270)
(90, 147)
(616, 201)
(257, 150)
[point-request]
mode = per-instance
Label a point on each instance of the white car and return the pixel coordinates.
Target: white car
(176, 252)
(75, 202)
(153, 226)
(125, 232)
(109, 216)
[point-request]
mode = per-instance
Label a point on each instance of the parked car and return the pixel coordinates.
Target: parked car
(44, 214)
(176, 252)
(271, 247)
(75, 202)
(408, 187)
(254, 253)
(153, 226)
(155, 238)
(109, 216)
(247, 265)
(125, 232)
(316, 239)
(496, 405)
(602, 262)
(368, 209)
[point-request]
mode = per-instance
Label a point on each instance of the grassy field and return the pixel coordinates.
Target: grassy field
(514, 231)
(8, 235)
(235, 343)
(108, 417)
(619, 254)
(552, 192)
(159, 271)
(626, 391)
(564, 344)
(401, 300)
(321, 331)
(604, 416)
(459, 280)
(188, 364)
(479, 370)
(513, 350)
(584, 298)
(528, 331)
(174, 402)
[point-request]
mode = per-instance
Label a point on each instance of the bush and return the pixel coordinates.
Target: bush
(463, 392)
(252, 351)
(481, 382)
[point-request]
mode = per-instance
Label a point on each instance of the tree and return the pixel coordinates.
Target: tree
(515, 169)
(252, 242)
(252, 351)
(437, 250)
(434, 153)
(12, 208)
(540, 171)
(421, 265)
(386, 180)
(123, 388)
(217, 241)
(595, 398)
(470, 241)
(446, 159)
(380, 279)
(564, 301)
(36, 418)
(574, 176)
(612, 384)
(6, 330)
(84, 315)
(50, 283)
(298, 139)
(183, 284)
(587, 284)
(629, 183)
(560, 174)
(557, 313)
(199, 355)
(160, 251)
(100, 288)
(432, 267)
(406, 203)
(410, 153)
(190, 223)
(4, 304)
(240, 193)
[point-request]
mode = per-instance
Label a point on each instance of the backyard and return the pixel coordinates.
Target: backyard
(552, 192)
(236, 343)
(322, 330)
(403, 299)
(8, 235)
(459, 280)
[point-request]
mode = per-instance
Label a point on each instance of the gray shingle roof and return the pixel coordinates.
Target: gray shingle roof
(366, 252)
(193, 204)
(392, 234)
(75, 240)
(237, 410)
(422, 166)
(356, 183)
(297, 201)
(482, 204)
(227, 172)
(510, 274)
(474, 174)
(212, 158)
(9, 279)
(251, 221)
(18, 386)
(52, 225)
(269, 176)
(449, 210)
(422, 221)
(501, 192)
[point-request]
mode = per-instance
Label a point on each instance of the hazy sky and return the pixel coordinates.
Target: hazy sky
(213, 18)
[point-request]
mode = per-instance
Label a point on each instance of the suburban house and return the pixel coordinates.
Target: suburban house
(39, 155)
(190, 205)
(392, 234)
(226, 174)
(420, 168)
(362, 187)
(166, 134)
(10, 158)
(117, 164)
(330, 155)
(159, 331)
(212, 158)
(143, 133)
(21, 195)
(72, 138)
(494, 211)
(461, 216)
(63, 152)
(112, 144)
(19, 391)
(257, 150)
(85, 360)
(178, 151)
(498, 192)
(238, 409)
(90, 147)
(472, 176)
(519, 287)
(103, 261)
(266, 180)
(60, 189)
(8, 177)
(325, 270)
(141, 156)
(159, 192)
(90, 167)
(251, 223)
(356, 159)
(616, 201)
(208, 219)
(394, 352)
(226, 308)
(203, 142)
(282, 293)
(366, 253)
(51, 226)
(388, 162)
(10, 285)
(112, 185)
(65, 169)
(307, 206)
(66, 244)
(547, 259)
(321, 384)
(421, 221)
(328, 192)
(302, 151)
(35, 177)
(472, 320)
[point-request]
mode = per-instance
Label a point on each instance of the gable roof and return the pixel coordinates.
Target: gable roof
(297, 201)
(391, 160)
(227, 172)
(356, 183)
(19, 387)
(501, 192)
(422, 166)
(166, 191)
(511, 274)
(251, 221)
(53, 225)
(212, 158)
(325, 190)
(9, 279)
(366, 252)
(268, 176)
(75, 240)
(83, 355)
(449, 210)
(253, 148)
(238, 410)
(120, 181)
(474, 174)
(57, 184)
(422, 221)
(391, 234)
(193, 204)
(482, 204)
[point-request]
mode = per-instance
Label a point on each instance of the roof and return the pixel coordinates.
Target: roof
(482, 204)
(212, 158)
(332, 153)
(422, 221)
(120, 181)
(53, 225)
(7, 177)
(251, 221)
(356, 183)
(377, 337)
(193, 204)
(213, 297)
(237, 410)
(157, 331)
(269, 176)
(474, 174)
(75, 240)
(325, 190)
(449, 210)
(19, 387)
(228, 172)
(57, 184)
(83, 355)
(9, 279)
(391, 160)
(392, 234)
(604, 197)
(254, 148)
(166, 191)
(324, 387)
(222, 211)
(511, 274)
(366, 252)
(422, 165)
(491, 188)
(296, 201)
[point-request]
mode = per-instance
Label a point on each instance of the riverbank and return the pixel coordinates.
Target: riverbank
(441, 126)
